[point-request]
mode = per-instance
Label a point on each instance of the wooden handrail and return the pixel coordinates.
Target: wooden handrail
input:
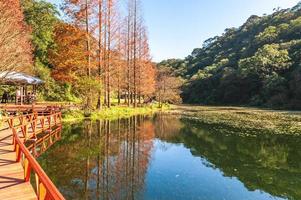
(45, 189)
(50, 192)
(29, 115)
(40, 109)
(31, 120)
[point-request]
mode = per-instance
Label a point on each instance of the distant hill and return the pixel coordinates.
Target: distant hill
(257, 64)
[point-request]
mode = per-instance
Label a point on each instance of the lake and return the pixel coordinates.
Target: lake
(172, 157)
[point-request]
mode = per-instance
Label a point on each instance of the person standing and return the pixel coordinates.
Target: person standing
(5, 97)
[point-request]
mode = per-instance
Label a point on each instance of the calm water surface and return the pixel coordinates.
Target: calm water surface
(171, 157)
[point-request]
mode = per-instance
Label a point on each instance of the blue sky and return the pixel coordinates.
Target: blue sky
(176, 27)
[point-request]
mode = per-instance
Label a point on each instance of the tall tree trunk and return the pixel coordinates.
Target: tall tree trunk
(99, 50)
(88, 47)
(131, 96)
(118, 91)
(128, 59)
(119, 67)
(126, 98)
(135, 53)
(109, 53)
(105, 61)
(140, 58)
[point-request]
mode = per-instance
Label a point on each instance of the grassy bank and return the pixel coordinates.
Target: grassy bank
(113, 113)
(244, 120)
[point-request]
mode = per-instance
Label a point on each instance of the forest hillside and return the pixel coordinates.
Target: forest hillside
(257, 64)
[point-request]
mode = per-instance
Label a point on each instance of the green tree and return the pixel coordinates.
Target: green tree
(41, 17)
(268, 59)
(274, 90)
(269, 35)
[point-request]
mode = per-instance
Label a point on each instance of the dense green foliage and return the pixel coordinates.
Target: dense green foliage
(256, 64)
(42, 17)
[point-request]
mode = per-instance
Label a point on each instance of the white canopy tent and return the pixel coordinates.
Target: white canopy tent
(18, 78)
(21, 81)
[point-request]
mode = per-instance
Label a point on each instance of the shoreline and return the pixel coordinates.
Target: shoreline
(113, 113)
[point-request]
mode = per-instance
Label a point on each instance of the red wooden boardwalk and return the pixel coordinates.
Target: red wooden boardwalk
(17, 162)
(12, 185)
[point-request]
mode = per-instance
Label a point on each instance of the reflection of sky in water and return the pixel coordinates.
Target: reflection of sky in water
(175, 174)
(185, 161)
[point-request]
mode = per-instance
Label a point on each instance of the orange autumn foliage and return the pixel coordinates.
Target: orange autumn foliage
(15, 46)
(68, 58)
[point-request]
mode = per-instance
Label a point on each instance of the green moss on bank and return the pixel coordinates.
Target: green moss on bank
(115, 112)
(245, 121)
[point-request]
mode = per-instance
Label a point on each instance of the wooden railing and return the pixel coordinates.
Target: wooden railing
(37, 124)
(29, 109)
(31, 121)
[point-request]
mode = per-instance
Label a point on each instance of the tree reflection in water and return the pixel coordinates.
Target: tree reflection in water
(101, 160)
(111, 159)
(270, 163)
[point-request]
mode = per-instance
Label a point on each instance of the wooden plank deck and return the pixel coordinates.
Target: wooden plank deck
(12, 185)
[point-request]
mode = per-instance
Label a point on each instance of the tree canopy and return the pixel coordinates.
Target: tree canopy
(95, 52)
(15, 46)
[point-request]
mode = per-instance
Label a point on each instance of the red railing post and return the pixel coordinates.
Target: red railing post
(11, 122)
(18, 153)
(49, 121)
(33, 127)
(27, 171)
